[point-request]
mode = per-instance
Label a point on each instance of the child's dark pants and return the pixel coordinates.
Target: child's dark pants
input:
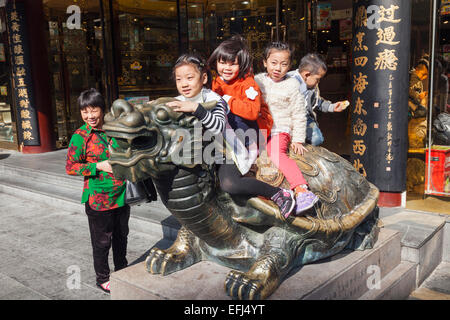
(108, 228)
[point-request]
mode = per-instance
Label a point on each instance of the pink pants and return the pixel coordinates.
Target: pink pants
(277, 149)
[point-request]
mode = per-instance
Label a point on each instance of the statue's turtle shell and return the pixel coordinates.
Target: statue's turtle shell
(346, 197)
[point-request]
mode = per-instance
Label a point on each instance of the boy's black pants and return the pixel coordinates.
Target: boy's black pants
(108, 228)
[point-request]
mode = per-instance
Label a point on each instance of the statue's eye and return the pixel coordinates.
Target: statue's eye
(162, 115)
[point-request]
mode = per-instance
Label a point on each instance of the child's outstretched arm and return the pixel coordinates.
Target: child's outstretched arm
(323, 104)
(213, 121)
(340, 105)
(327, 106)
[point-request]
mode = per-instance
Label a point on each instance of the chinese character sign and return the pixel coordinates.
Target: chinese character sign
(380, 79)
(27, 125)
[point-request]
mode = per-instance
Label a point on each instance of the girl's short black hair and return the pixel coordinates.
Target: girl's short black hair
(279, 46)
(91, 98)
(229, 50)
(313, 63)
(196, 60)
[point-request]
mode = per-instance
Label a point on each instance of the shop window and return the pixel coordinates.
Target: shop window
(211, 22)
(437, 158)
(7, 126)
(146, 48)
(294, 28)
(331, 32)
(75, 60)
(428, 164)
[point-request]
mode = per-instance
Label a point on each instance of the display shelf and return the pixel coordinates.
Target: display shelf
(417, 150)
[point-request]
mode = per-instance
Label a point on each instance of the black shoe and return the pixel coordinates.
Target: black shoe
(284, 199)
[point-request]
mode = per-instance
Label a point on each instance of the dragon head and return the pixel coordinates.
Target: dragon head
(152, 139)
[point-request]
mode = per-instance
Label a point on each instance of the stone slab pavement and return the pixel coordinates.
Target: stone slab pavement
(45, 252)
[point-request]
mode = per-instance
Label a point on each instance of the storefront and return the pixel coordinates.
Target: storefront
(135, 63)
(126, 49)
(428, 164)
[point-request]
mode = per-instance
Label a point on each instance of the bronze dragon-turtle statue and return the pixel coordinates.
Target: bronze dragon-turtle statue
(248, 235)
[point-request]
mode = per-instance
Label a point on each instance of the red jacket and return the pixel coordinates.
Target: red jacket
(246, 100)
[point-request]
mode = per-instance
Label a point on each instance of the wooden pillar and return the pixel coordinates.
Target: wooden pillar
(380, 76)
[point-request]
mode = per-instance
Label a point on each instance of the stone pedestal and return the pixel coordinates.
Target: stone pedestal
(202, 281)
(343, 276)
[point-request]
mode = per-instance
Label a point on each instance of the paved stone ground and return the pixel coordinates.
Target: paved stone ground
(44, 249)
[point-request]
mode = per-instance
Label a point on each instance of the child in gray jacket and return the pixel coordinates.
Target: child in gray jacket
(310, 70)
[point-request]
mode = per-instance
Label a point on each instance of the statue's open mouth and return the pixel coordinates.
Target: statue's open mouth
(134, 144)
(145, 141)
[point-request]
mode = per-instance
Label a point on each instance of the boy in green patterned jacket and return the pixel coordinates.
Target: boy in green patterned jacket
(103, 195)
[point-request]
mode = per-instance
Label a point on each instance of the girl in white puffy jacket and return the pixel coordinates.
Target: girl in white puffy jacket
(288, 108)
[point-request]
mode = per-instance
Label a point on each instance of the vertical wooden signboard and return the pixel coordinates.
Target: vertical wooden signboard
(381, 44)
(27, 123)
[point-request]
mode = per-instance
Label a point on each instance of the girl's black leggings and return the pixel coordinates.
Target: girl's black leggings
(232, 181)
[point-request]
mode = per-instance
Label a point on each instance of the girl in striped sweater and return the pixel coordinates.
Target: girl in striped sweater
(191, 76)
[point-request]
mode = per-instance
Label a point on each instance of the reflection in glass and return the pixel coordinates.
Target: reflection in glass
(6, 121)
(75, 61)
(147, 39)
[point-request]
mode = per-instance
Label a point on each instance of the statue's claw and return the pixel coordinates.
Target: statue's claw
(157, 261)
(259, 282)
(239, 286)
(180, 255)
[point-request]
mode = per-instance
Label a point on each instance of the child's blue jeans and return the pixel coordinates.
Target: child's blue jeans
(313, 134)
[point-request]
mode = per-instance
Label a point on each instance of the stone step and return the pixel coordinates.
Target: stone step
(150, 217)
(446, 240)
(59, 177)
(422, 239)
(396, 285)
(343, 276)
(428, 294)
(436, 286)
(56, 196)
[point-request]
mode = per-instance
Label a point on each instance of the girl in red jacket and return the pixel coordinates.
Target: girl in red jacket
(248, 117)
(235, 83)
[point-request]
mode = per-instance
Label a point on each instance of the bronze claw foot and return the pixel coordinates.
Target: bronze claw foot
(258, 283)
(239, 286)
(179, 256)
